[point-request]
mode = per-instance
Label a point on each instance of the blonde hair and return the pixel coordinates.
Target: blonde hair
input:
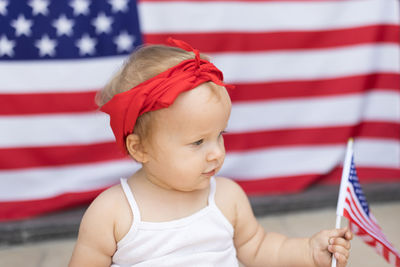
(143, 64)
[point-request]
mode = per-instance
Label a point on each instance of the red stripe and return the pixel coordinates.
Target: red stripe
(40, 103)
(218, 42)
(371, 232)
(310, 136)
(363, 232)
(29, 157)
(298, 183)
(16, 210)
(365, 174)
(377, 236)
(372, 244)
(48, 103)
(361, 216)
(374, 228)
(313, 88)
(26, 209)
(359, 231)
(278, 185)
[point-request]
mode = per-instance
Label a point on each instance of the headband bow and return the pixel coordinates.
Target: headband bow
(158, 92)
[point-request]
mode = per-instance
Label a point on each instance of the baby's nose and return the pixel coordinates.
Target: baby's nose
(216, 152)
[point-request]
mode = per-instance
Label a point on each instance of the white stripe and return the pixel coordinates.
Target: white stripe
(305, 160)
(307, 64)
(374, 221)
(92, 74)
(360, 213)
(362, 216)
(272, 163)
(361, 221)
(48, 130)
(38, 183)
(315, 112)
(244, 166)
(93, 127)
(372, 152)
(201, 16)
(57, 75)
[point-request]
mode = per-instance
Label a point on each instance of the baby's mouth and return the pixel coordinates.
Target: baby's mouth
(210, 173)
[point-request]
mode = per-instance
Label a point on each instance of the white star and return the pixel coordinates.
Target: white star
(46, 46)
(39, 7)
(3, 7)
(6, 46)
(86, 45)
(119, 5)
(81, 7)
(102, 23)
(22, 26)
(124, 42)
(63, 25)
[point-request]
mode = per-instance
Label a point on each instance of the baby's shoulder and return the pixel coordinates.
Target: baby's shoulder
(228, 194)
(227, 188)
(109, 198)
(110, 210)
(102, 207)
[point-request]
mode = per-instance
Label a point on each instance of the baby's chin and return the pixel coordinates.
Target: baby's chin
(202, 184)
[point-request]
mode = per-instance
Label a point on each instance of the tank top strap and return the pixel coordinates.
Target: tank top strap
(213, 187)
(131, 200)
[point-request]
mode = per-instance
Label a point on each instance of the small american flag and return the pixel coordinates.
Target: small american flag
(362, 222)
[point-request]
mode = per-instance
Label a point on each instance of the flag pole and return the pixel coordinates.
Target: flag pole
(343, 186)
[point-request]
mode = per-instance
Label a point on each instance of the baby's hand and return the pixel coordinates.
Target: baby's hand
(331, 242)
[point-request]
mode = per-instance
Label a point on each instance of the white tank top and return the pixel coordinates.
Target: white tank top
(204, 238)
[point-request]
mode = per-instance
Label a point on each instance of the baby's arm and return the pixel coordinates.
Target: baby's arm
(255, 247)
(96, 243)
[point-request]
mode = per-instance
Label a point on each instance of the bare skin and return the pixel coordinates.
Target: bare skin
(190, 131)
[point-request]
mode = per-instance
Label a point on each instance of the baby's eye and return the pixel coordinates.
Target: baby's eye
(197, 143)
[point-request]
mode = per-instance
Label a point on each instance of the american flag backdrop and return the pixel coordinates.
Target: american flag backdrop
(308, 73)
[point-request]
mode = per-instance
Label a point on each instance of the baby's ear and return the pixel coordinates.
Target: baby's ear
(135, 148)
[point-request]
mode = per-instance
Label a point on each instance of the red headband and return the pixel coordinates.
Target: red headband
(158, 92)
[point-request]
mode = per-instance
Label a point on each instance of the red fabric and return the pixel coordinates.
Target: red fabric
(158, 92)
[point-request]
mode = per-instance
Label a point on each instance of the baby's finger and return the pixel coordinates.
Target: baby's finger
(340, 242)
(348, 235)
(341, 259)
(335, 249)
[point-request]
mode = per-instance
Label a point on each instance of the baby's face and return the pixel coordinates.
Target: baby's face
(187, 146)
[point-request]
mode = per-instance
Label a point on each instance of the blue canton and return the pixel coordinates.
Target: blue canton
(67, 29)
(353, 179)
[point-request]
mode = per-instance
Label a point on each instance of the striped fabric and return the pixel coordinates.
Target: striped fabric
(308, 75)
(363, 223)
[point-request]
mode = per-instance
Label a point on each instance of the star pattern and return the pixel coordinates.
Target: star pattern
(6, 46)
(119, 5)
(63, 25)
(39, 7)
(124, 42)
(22, 26)
(36, 29)
(86, 45)
(80, 7)
(102, 23)
(3, 7)
(46, 46)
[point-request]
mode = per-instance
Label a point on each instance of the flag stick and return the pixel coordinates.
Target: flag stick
(343, 187)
